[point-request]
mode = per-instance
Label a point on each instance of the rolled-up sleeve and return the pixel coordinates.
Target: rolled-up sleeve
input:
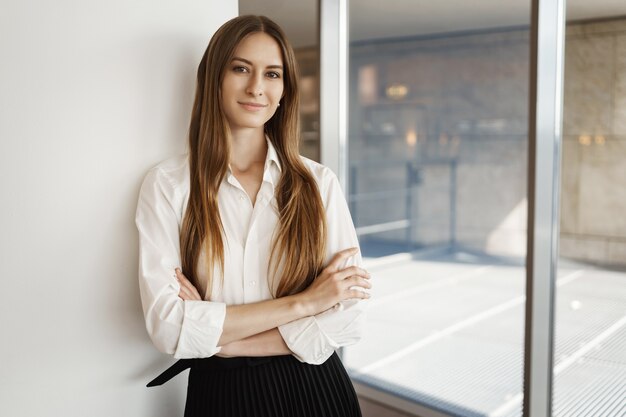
(314, 339)
(186, 329)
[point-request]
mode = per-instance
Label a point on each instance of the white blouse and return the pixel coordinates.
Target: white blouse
(191, 329)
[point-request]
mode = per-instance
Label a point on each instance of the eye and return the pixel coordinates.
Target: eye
(273, 74)
(240, 69)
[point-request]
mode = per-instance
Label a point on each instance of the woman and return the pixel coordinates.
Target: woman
(249, 265)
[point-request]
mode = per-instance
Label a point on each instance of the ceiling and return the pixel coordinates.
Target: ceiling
(375, 19)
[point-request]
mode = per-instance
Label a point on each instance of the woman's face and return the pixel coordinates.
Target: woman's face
(253, 83)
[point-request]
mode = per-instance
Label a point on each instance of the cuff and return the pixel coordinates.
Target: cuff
(202, 327)
(307, 341)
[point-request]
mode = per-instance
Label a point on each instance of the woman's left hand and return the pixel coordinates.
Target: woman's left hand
(187, 290)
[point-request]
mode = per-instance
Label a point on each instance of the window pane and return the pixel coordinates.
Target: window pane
(438, 139)
(590, 347)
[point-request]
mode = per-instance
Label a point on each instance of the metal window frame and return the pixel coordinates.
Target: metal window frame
(544, 159)
(544, 166)
(334, 87)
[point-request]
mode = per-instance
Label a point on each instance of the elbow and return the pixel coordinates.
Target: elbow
(162, 346)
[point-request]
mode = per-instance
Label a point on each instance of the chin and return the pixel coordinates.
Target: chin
(250, 123)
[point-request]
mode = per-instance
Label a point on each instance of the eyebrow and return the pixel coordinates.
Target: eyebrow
(250, 63)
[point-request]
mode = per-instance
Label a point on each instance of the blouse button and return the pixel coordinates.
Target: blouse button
(241, 197)
(253, 283)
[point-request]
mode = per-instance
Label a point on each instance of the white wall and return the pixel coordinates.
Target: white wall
(92, 94)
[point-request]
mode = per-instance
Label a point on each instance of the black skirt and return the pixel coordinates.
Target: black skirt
(273, 386)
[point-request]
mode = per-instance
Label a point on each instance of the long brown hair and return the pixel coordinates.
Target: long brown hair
(299, 243)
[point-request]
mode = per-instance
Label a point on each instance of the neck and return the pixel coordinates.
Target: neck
(248, 147)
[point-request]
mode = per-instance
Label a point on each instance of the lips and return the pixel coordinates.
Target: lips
(252, 106)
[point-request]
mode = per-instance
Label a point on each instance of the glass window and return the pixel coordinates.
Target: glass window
(438, 143)
(590, 347)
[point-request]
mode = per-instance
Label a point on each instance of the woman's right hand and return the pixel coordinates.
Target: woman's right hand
(334, 285)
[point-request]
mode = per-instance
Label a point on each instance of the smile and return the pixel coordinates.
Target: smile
(252, 106)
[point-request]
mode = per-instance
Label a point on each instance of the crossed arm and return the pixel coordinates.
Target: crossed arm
(252, 329)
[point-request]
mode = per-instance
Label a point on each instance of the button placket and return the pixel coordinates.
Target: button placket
(249, 271)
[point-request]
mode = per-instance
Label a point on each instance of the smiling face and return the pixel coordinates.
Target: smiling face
(253, 82)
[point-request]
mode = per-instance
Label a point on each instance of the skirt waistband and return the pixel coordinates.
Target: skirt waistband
(211, 363)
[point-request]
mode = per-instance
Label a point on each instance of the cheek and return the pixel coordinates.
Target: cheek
(223, 99)
(228, 87)
(278, 93)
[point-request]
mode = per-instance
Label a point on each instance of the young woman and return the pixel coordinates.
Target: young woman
(249, 267)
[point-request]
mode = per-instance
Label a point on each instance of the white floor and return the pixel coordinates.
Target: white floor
(449, 333)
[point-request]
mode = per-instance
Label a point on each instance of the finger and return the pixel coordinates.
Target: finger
(350, 271)
(180, 276)
(195, 292)
(184, 293)
(193, 295)
(187, 284)
(182, 279)
(339, 257)
(358, 294)
(189, 292)
(356, 281)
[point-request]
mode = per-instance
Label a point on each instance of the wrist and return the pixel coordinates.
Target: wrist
(302, 305)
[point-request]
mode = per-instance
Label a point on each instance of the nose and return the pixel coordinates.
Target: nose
(255, 87)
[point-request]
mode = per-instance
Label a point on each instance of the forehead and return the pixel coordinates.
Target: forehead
(260, 48)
